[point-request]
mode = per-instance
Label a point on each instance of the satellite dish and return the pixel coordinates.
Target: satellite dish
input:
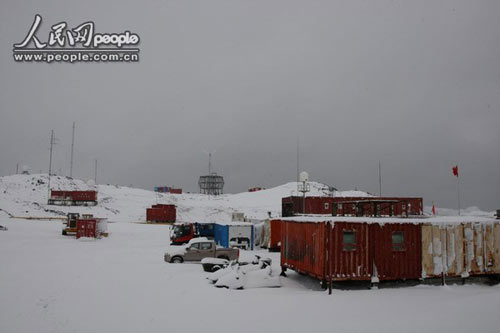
(303, 177)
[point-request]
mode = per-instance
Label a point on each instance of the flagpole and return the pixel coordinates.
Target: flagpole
(458, 192)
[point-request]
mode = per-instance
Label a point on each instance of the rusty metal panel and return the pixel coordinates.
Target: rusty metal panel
(455, 250)
(275, 235)
(397, 250)
(161, 213)
(488, 248)
(303, 247)
(478, 261)
(86, 228)
(354, 263)
(427, 251)
(496, 245)
(468, 246)
(437, 250)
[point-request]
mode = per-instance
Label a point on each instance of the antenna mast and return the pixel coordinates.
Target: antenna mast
(298, 160)
(95, 172)
(209, 162)
(72, 148)
(379, 179)
(52, 143)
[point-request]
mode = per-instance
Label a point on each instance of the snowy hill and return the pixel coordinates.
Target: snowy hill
(26, 196)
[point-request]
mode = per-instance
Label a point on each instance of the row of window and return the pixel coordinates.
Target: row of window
(349, 240)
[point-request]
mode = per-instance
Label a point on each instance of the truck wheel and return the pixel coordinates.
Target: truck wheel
(64, 232)
(176, 260)
(215, 268)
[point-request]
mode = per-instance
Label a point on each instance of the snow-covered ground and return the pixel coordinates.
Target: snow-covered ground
(53, 283)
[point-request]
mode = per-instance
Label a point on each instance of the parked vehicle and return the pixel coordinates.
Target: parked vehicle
(214, 264)
(70, 224)
(197, 249)
(245, 275)
(183, 232)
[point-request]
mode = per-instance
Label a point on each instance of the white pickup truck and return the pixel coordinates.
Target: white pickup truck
(197, 249)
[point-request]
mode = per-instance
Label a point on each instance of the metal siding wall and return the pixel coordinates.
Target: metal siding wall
(303, 247)
(275, 239)
(351, 265)
(496, 246)
(395, 265)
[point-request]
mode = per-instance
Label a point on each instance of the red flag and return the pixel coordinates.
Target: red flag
(455, 171)
(433, 209)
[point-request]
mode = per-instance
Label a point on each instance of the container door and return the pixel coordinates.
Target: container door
(397, 251)
(478, 265)
(489, 243)
(206, 250)
(351, 257)
(193, 252)
(91, 229)
(455, 250)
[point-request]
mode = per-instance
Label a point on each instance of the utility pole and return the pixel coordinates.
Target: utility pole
(72, 148)
(95, 172)
(379, 179)
(458, 193)
(298, 138)
(17, 168)
(52, 143)
(209, 163)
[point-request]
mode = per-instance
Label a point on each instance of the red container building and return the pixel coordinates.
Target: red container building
(73, 198)
(91, 227)
(275, 235)
(86, 228)
(352, 206)
(343, 250)
(161, 213)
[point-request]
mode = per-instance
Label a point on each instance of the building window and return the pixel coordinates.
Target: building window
(349, 240)
(326, 205)
(398, 241)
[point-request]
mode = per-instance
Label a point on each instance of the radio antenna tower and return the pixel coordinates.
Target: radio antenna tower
(72, 149)
(211, 184)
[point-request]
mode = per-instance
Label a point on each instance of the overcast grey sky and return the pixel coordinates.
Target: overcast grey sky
(415, 84)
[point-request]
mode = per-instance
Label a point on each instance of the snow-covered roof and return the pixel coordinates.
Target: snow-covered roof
(384, 220)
